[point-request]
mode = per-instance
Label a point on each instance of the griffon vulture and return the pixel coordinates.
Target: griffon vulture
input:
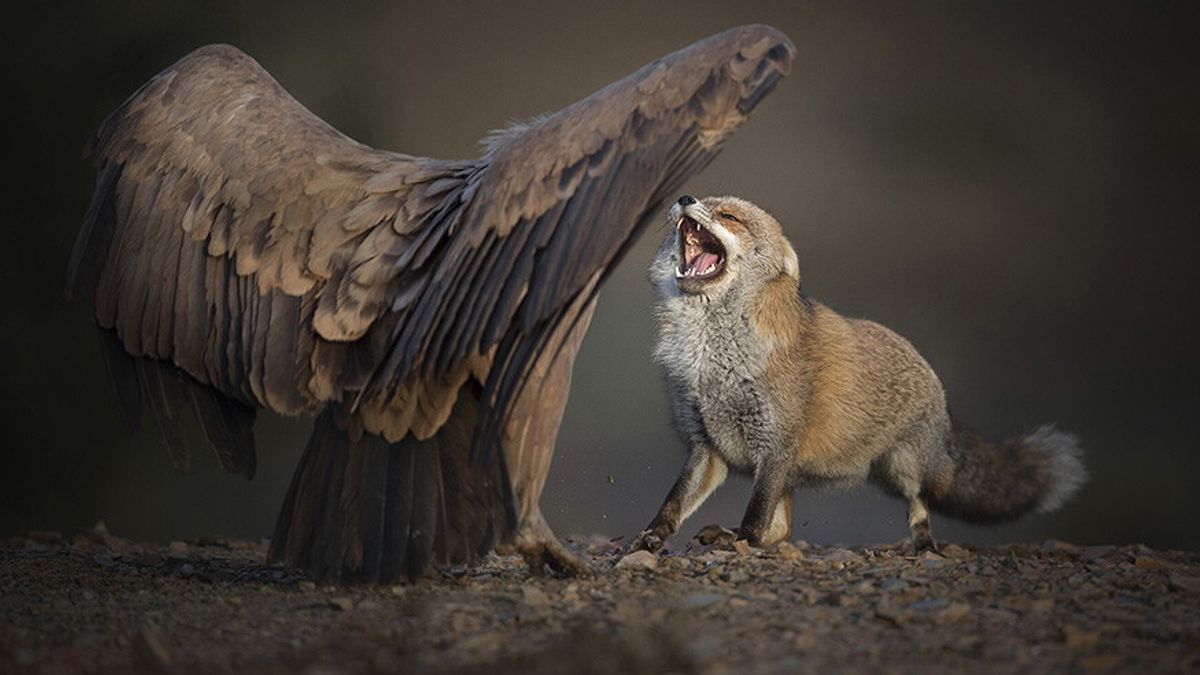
(241, 254)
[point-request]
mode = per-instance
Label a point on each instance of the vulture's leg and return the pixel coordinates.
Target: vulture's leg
(529, 444)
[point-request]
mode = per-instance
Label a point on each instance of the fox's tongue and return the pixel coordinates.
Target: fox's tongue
(702, 262)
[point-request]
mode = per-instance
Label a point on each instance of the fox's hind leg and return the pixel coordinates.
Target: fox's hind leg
(900, 471)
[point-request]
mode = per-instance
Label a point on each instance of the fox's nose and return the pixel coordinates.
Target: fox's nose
(687, 200)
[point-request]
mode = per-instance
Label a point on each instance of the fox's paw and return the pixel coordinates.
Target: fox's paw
(648, 540)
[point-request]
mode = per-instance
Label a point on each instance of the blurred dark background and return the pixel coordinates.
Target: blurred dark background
(1011, 185)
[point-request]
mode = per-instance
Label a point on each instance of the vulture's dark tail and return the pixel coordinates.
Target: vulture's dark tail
(364, 509)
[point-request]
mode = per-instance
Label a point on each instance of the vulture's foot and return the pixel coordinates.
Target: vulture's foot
(536, 543)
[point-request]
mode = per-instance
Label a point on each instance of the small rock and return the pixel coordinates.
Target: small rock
(99, 534)
(1100, 662)
(535, 597)
(367, 605)
(1042, 606)
(1096, 552)
(44, 536)
(341, 603)
(786, 551)
(736, 576)
(715, 534)
(146, 559)
(939, 610)
(893, 584)
(955, 552)
(955, 611)
(151, 651)
(699, 600)
(1179, 582)
(1079, 639)
(305, 585)
(889, 612)
(1056, 545)
(1146, 562)
(840, 555)
(638, 559)
(186, 570)
(177, 550)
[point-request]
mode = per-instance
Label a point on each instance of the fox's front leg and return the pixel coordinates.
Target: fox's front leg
(768, 518)
(701, 474)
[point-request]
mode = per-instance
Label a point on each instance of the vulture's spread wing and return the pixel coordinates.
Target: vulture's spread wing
(272, 259)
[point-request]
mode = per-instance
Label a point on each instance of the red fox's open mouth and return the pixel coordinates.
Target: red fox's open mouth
(701, 253)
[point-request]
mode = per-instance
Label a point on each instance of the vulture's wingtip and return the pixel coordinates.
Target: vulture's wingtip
(760, 39)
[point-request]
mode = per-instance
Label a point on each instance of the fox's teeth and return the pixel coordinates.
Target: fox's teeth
(679, 273)
(709, 269)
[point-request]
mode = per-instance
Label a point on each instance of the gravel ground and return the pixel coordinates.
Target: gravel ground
(94, 602)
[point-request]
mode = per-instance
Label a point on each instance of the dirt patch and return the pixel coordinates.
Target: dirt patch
(99, 603)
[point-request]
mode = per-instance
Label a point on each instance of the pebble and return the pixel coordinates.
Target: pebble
(1056, 545)
(638, 559)
(1079, 639)
(786, 551)
(955, 552)
(939, 610)
(699, 600)
(44, 536)
(341, 603)
(151, 651)
(1179, 582)
(1146, 562)
(840, 555)
(710, 534)
(534, 597)
(1100, 662)
(736, 576)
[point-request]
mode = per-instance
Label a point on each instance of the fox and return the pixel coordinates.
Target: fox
(768, 382)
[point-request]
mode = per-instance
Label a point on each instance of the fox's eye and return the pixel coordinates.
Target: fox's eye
(730, 217)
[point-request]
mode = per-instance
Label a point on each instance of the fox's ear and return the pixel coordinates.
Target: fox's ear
(791, 264)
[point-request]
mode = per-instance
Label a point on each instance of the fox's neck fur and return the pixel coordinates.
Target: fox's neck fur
(746, 330)
(751, 335)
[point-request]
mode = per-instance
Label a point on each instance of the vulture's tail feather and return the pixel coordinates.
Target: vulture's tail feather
(171, 394)
(363, 509)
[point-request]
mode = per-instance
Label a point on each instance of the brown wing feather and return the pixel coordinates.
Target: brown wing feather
(241, 238)
(223, 209)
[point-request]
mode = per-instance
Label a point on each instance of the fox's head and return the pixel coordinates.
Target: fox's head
(717, 243)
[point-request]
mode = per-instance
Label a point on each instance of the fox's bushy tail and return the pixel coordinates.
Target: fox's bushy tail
(995, 482)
